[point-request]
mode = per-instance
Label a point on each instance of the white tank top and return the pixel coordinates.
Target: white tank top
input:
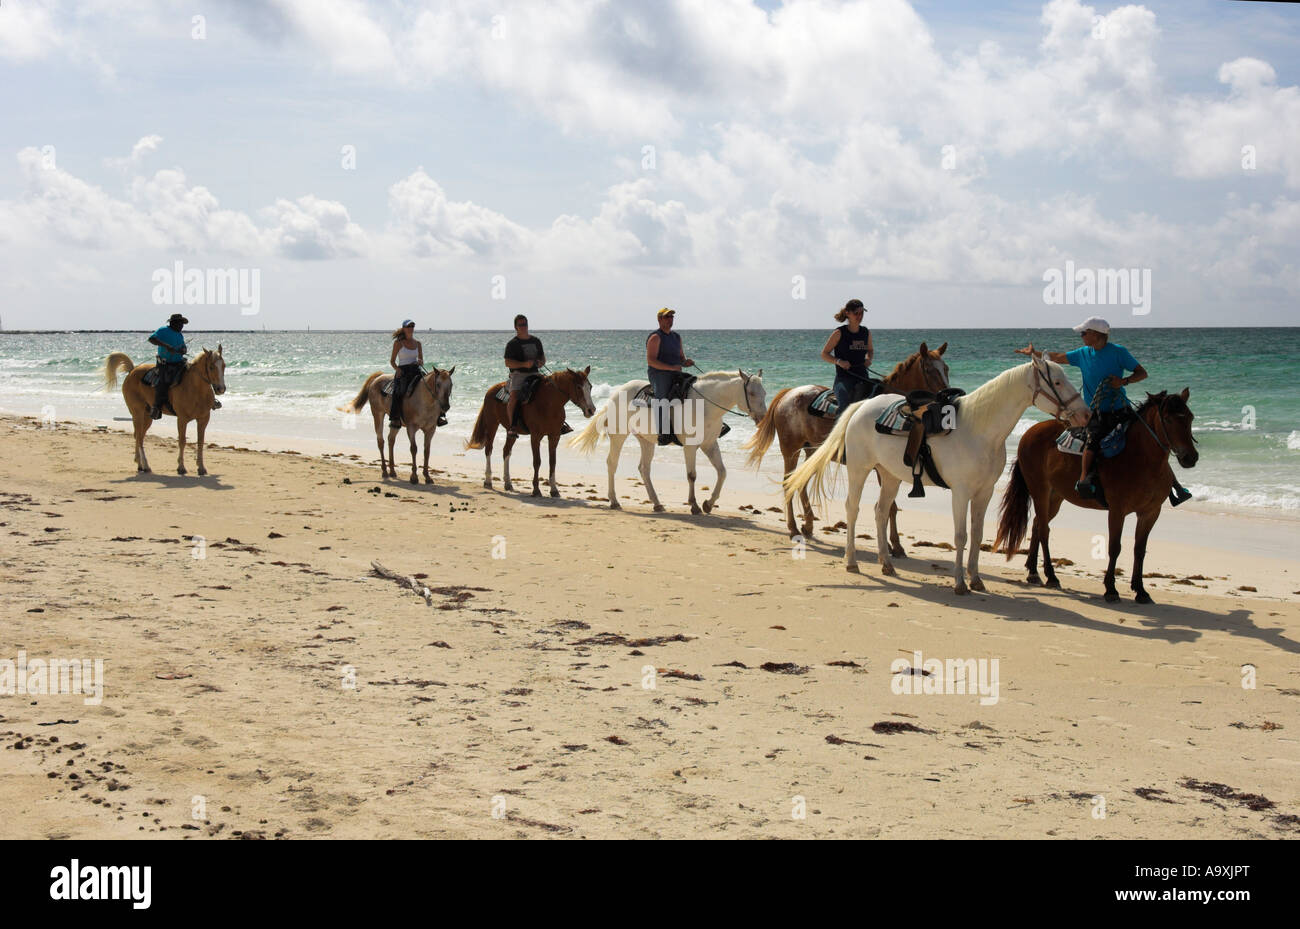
(407, 356)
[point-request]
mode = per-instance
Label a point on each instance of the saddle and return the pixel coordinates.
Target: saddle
(1075, 441)
(681, 387)
(150, 377)
(526, 393)
(827, 405)
(919, 415)
(410, 387)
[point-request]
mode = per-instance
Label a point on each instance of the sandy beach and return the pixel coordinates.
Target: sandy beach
(583, 673)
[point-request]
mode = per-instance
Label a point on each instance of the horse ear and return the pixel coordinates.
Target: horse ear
(451, 370)
(760, 373)
(586, 371)
(923, 350)
(942, 348)
(1187, 392)
(743, 375)
(218, 348)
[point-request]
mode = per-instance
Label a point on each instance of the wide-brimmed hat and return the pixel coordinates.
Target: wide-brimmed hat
(177, 318)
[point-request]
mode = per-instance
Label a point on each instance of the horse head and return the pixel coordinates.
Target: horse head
(441, 386)
(214, 369)
(1053, 393)
(1173, 418)
(577, 387)
(755, 397)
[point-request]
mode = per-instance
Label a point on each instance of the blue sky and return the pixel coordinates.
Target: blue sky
(503, 142)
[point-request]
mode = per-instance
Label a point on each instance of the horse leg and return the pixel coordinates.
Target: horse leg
(428, 440)
(201, 424)
(978, 509)
(689, 452)
(1145, 522)
(803, 498)
(505, 459)
(1116, 527)
(857, 478)
(142, 421)
(788, 464)
(888, 491)
(1047, 513)
(536, 441)
(487, 457)
(181, 425)
(616, 441)
(555, 490)
(410, 435)
(960, 504)
(392, 457)
(714, 454)
(895, 542)
(379, 439)
(647, 454)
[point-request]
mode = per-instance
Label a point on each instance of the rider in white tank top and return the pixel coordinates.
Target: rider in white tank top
(407, 356)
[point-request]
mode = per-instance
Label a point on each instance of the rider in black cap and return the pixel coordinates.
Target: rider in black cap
(170, 362)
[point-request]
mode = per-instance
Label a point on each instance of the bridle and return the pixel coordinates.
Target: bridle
(207, 369)
(749, 410)
(1167, 446)
(1062, 406)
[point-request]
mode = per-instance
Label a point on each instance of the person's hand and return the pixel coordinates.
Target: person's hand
(1115, 381)
(841, 363)
(1027, 350)
(689, 363)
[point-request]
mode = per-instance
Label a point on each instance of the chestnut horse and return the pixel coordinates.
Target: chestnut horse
(189, 399)
(789, 420)
(543, 415)
(1137, 480)
(420, 412)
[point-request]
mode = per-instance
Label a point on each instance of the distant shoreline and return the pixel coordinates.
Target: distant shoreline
(627, 329)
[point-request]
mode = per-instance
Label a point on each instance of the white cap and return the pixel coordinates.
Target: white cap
(1095, 323)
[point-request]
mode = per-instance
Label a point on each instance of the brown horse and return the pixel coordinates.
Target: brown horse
(789, 420)
(190, 398)
(420, 411)
(1137, 480)
(543, 416)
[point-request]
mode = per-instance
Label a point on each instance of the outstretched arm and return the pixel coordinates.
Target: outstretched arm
(1058, 357)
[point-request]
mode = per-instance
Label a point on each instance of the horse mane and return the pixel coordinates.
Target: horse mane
(1152, 400)
(903, 365)
(976, 405)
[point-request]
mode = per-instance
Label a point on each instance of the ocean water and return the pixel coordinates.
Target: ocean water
(1243, 382)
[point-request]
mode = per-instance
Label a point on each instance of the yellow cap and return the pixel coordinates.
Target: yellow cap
(665, 312)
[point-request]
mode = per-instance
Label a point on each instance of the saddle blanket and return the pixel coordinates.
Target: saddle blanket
(825, 405)
(892, 418)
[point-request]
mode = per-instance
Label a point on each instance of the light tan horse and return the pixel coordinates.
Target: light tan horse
(189, 399)
(420, 411)
(798, 430)
(542, 416)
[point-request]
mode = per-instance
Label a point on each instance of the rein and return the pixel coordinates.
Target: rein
(1061, 405)
(727, 409)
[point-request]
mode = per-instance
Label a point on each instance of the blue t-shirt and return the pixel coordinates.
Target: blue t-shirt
(1099, 364)
(169, 336)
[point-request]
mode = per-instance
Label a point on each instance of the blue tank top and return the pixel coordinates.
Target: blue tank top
(852, 347)
(670, 347)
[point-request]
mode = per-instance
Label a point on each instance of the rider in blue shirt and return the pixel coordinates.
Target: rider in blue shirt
(170, 362)
(1103, 364)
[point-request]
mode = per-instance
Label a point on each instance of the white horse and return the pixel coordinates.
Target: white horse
(970, 459)
(712, 395)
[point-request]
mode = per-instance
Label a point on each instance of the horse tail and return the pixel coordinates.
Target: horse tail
(761, 440)
(1014, 513)
(585, 441)
(363, 396)
(481, 426)
(112, 364)
(812, 473)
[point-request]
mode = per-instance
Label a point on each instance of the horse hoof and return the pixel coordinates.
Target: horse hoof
(807, 531)
(535, 493)
(487, 485)
(708, 507)
(1033, 579)
(180, 471)
(508, 487)
(614, 505)
(427, 479)
(897, 552)
(1112, 596)
(203, 472)
(961, 590)
(977, 584)
(853, 568)
(1143, 597)
(414, 479)
(887, 569)
(695, 510)
(555, 494)
(659, 507)
(1053, 583)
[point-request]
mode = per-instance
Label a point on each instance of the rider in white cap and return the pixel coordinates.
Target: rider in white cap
(1103, 364)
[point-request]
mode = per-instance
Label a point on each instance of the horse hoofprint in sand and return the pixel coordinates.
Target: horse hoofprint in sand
(190, 399)
(712, 394)
(970, 459)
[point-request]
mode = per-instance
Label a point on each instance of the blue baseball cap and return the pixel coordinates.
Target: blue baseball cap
(409, 322)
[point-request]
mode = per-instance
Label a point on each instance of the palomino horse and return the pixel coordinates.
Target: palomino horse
(191, 398)
(970, 459)
(711, 395)
(420, 411)
(543, 415)
(1137, 480)
(797, 429)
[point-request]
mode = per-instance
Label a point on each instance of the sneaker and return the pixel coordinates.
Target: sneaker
(1085, 489)
(216, 404)
(565, 428)
(665, 440)
(155, 412)
(725, 430)
(442, 420)
(1179, 494)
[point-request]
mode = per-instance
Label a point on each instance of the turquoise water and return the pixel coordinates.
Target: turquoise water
(289, 383)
